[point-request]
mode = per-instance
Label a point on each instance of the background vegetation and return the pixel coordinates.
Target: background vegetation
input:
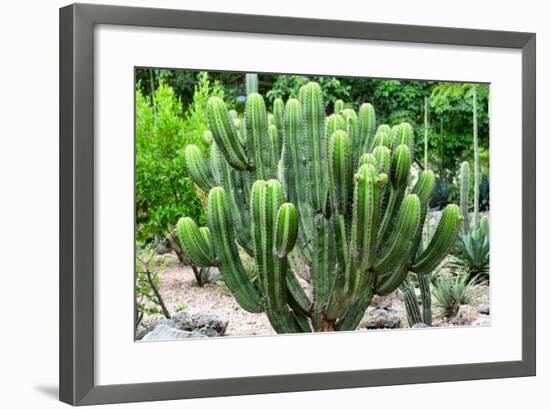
(170, 114)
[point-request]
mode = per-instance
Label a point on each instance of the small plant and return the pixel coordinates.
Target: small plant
(149, 301)
(452, 291)
(443, 194)
(472, 250)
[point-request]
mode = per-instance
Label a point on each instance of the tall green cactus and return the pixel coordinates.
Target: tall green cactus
(464, 195)
(331, 192)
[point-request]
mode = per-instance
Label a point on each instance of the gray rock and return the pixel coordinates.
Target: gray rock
(204, 325)
(381, 318)
(166, 333)
(484, 309)
(193, 322)
(382, 301)
(420, 325)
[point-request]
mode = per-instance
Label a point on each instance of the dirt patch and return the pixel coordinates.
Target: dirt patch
(180, 292)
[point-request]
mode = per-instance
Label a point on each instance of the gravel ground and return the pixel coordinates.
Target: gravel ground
(180, 290)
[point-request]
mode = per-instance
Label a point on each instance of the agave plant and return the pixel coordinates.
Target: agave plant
(452, 291)
(324, 198)
(472, 250)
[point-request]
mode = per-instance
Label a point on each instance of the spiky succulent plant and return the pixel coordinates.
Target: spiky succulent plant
(303, 189)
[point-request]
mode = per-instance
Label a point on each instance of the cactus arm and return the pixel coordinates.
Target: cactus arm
(297, 298)
(365, 221)
(301, 322)
(231, 268)
(275, 148)
(391, 282)
(292, 153)
(340, 171)
(251, 81)
(353, 317)
(464, 191)
(338, 106)
(216, 164)
(442, 241)
(352, 129)
(195, 242)
(334, 122)
(286, 322)
(423, 189)
(286, 229)
(267, 197)
(426, 294)
(257, 137)
(401, 238)
(382, 137)
(195, 163)
(278, 120)
(367, 125)
(394, 197)
(401, 165)
(234, 185)
(405, 136)
(322, 264)
(225, 134)
(315, 140)
(411, 305)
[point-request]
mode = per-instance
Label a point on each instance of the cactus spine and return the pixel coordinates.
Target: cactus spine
(328, 193)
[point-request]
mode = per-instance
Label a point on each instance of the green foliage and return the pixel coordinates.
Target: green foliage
(444, 193)
(287, 86)
(164, 191)
(324, 194)
(452, 291)
(472, 251)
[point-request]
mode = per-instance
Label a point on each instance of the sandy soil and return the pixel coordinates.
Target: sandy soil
(179, 288)
(180, 291)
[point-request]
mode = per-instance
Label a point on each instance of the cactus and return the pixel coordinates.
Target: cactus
(464, 193)
(251, 83)
(302, 189)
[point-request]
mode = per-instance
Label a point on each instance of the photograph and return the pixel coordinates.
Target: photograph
(276, 203)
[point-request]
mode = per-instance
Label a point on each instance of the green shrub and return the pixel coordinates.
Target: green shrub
(164, 191)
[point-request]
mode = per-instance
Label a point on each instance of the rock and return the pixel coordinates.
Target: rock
(382, 301)
(482, 320)
(420, 325)
(465, 316)
(197, 324)
(192, 322)
(484, 309)
(381, 318)
(165, 333)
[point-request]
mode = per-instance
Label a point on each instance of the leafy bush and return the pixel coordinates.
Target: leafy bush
(164, 191)
(452, 291)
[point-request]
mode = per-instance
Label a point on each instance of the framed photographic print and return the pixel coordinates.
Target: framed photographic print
(256, 201)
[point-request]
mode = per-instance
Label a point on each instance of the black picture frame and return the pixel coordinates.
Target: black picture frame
(76, 280)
